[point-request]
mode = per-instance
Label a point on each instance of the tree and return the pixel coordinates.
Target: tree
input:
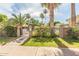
(3, 20)
(42, 24)
(28, 16)
(51, 7)
(73, 15)
(57, 22)
(33, 22)
(18, 21)
(2, 17)
(42, 17)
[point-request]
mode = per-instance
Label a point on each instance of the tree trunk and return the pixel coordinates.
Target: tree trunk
(18, 31)
(30, 31)
(51, 18)
(73, 15)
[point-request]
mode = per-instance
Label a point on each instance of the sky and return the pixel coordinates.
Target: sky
(62, 12)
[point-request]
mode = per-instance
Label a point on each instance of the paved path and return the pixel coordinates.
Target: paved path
(37, 51)
(23, 38)
(19, 40)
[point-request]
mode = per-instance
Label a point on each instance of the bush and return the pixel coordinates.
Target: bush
(36, 32)
(46, 32)
(72, 33)
(42, 32)
(10, 31)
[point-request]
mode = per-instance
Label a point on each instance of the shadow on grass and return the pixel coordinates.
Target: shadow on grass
(42, 39)
(65, 49)
(5, 40)
(71, 40)
(59, 43)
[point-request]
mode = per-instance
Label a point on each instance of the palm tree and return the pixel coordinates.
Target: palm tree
(29, 24)
(51, 7)
(45, 12)
(34, 22)
(18, 21)
(42, 24)
(42, 17)
(73, 15)
(56, 22)
(28, 17)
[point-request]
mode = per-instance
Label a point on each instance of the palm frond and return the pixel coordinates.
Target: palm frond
(15, 16)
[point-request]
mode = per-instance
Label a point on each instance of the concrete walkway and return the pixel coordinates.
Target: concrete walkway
(37, 51)
(23, 38)
(19, 40)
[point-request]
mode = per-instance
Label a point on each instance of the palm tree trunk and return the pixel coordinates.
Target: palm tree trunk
(18, 31)
(73, 15)
(30, 29)
(51, 18)
(21, 29)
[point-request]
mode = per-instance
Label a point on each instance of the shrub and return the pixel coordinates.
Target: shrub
(72, 33)
(10, 31)
(36, 32)
(42, 32)
(46, 32)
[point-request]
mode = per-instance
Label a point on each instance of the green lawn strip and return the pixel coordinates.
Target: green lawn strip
(70, 42)
(31, 42)
(53, 43)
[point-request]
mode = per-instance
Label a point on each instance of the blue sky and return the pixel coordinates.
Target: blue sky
(61, 13)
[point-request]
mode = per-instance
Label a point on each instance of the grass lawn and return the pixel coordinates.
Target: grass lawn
(4, 40)
(53, 42)
(40, 42)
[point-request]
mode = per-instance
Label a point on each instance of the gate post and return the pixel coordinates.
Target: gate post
(63, 31)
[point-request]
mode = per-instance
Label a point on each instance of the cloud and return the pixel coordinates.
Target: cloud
(33, 9)
(6, 6)
(59, 14)
(35, 14)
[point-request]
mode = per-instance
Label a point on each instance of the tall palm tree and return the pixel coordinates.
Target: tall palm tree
(34, 22)
(51, 7)
(28, 16)
(42, 24)
(18, 21)
(42, 17)
(73, 15)
(45, 11)
(56, 22)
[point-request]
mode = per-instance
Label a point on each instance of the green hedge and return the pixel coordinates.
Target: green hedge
(10, 31)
